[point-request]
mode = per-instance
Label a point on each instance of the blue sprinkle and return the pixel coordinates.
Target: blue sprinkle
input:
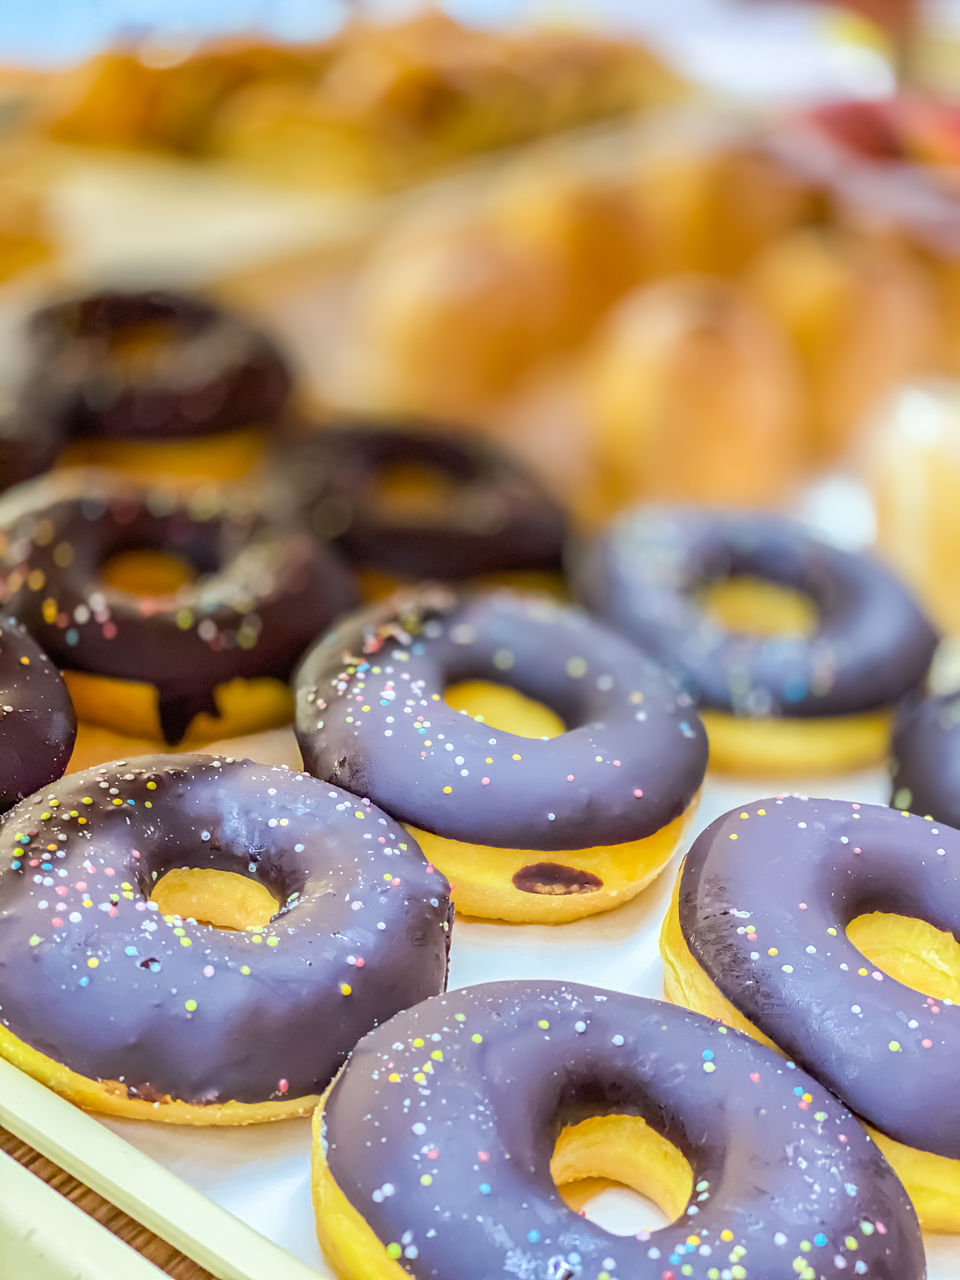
(16, 864)
(84, 982)
(131, 802)
(533, 1236)
(820, 1239)
(484, 1188)
(850, 1189)
(130, 951)
(707, 1055)
(798, 1090)
(72, 636)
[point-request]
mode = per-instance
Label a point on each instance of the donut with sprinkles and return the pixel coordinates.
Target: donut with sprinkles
(37, 721)
(805, 675)
(227, 639)
(785, 911)
(136, 1011)
(570, 813)
(436, 1150)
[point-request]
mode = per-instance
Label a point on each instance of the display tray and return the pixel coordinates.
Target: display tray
(238, 1200)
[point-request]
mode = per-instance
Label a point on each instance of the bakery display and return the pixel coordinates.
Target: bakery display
(125, 995)
(175, 619)
(543, 764)
(826, 928)
(795, 651)
(441, 1148)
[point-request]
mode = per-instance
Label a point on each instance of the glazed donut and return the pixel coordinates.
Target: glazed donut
(139, 1011)
(436, 1150)
(459, 507)
(816, 648)
(545, 813)
(782, 927)
(37, 721)
(147, 379)
(926, 758)
(209, 660)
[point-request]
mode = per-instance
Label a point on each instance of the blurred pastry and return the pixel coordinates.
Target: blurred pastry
(692, 396)
(860, 316)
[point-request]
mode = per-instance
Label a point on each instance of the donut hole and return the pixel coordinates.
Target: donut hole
(621, 1174)
(503, 707)
(221, 899)
(138, 350)
(911, 951)
(412, 490)
(144, 571)
(755, 606)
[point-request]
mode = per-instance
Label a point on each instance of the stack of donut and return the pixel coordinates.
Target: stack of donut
(478, 711)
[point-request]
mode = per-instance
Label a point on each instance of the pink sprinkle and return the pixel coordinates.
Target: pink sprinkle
(881, 1228)
(283, 1086)
(109, 630)
(56, 922)
(433, 1153)
(360, 962)
(109, 871)
(854, 806)
(638, 793)
(483, 1156)
(927, 1044)
(803, 906)
(208, 970)
(755, 1077)
(61, 889)
(616, 764)
(484, 782)
(112, 911)
(856, 850)
(569, 777)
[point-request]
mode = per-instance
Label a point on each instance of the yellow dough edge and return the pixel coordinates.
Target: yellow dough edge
(932, 1181)
(481, 876)
(110, 1097)
(615, 1148)
(192, 461)
(118, 719)
(783, 745)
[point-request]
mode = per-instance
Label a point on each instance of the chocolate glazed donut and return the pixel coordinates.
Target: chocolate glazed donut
(926, 758)
(371, 717)
(766, 894)
(496, 517)
(37, 723)
(211, 372)
(93, 976)
(871, 645)
(451, 1169)
(264, 592)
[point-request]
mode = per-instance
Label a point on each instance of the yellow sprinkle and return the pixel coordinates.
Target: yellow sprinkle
(394, 1077)
(93, 963)
(346, 989)
(516, 757)
(25, 660)
(734, 836)
(894, 1046)
(189, 1005)
(185, 942)
(151, 786)
(773, 951)
(245, 970)
(762, 813)
(425, 1179)
(437, 1055)
(420, 1078)
(87, 800)
(447, 790)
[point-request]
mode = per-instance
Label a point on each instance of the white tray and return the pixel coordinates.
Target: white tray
(238, 1200)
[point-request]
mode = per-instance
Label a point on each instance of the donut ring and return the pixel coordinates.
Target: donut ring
(497, 517)
(37, 721)
(770, 703)
(262, 595)
(526, 828)
(926, 758)
(131, 1012)
(215, 373)
(432, 1149)
(757, 936)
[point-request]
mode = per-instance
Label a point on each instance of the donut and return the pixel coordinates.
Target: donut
(156, 381)
(29, 440)
(817, 926)
(118, 989)
(543, 764)
(37, 721)
(412, 500)
(926, 758)
(163, 665)
(441, 1149)
(796, 651)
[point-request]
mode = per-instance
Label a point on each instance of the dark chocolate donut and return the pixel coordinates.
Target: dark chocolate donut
(766, 894)
(926, 758)
(263, 592)
(37, 724)
(94, 976)
(371, 717)
(872, 643)
(452, 1170)
(497, 517)
(206, 369)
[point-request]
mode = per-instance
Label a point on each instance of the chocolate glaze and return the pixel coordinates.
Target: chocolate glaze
(872, 643)
(926, 758)
(93, 976)
(498, 517)
(216, 373)
(264, 592)
(371, 717)
(37, 723)
(780, 1185)
(788, 875)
